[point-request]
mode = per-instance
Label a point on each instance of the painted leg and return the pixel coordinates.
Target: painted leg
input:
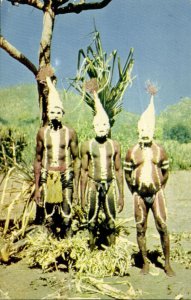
(92, 214)
(165, 242)
(65, 214)
(110, 213)
(141, 241)
(159, 211)
(141, 213)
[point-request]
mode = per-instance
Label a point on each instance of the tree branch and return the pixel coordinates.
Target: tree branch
(79, 7)
(35, 3)
(12, 51)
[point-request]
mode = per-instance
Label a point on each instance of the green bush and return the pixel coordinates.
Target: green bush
(179, 155)
(178, 132)
(12, 144)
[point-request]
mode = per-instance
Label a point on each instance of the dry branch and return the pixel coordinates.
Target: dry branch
(82, 6)
(12, 51)
(35, 3)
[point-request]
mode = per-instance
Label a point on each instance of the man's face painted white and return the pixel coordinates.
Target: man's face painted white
(101, 126)
(145, 135)
(55, 113)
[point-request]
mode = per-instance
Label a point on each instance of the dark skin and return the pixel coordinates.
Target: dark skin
(146, 174)
(91, 168)
(67, 153)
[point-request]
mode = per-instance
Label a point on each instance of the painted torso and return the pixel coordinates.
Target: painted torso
(56, 154)
(147, 175)
(101, 160)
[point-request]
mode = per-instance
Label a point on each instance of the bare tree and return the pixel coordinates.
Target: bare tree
(51, 9)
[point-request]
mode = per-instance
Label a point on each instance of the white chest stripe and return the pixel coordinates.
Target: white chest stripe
(103, 162)
(55, 138)
(67, 148)
(45, 147)
(146, 172)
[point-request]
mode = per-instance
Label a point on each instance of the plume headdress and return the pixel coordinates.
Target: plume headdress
(146, 123)
(100, 114)
(53, 96)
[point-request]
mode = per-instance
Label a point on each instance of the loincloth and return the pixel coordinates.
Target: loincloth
(54, 182)
(54, 187)
(101, 186)
(149, 200)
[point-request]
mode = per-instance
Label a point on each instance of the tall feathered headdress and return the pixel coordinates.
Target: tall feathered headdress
(100, 113)
(53, 96)
(147, 120)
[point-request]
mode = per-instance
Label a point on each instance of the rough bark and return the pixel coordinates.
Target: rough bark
(50, 8)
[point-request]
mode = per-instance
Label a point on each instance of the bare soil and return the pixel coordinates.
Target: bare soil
(18, 281)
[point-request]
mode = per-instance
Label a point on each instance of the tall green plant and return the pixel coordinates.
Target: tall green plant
(12, 144)
(95, 64)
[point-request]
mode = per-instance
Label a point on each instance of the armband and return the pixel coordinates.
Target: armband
(165, 165)
(128, 166)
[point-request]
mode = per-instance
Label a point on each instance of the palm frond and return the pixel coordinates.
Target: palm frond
(95, 63)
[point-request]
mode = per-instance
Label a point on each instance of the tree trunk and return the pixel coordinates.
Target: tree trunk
(44, 60)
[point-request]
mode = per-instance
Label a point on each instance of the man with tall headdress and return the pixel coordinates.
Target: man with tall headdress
(56, 167)
(146, 173)
(101, 177)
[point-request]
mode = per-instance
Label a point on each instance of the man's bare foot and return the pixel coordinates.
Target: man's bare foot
(169, 271)
(145, 269)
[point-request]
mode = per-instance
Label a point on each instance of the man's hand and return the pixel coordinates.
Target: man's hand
(37, 197)
(120, 204)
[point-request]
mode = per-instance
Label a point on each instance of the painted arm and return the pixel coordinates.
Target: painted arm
(77, 164)
(128, 169)
(84, 173)
(38, 167)
(119, 178)
(164, 164)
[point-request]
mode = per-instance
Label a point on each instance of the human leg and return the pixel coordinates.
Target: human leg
(66, 213)
(141, 214)
(159, 212)
(110, 213)
(92, 213)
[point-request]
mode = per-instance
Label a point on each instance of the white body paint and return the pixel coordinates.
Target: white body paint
(103, 162)
(55, 137)
(146, 172)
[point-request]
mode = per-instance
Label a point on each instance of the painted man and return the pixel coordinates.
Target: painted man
(101, 177)
(146, 173)
(56, 167)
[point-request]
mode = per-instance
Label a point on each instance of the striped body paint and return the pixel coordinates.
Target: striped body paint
(101, 177)
(56, 149)
(55, 141)
(146, 168)
(101, 164)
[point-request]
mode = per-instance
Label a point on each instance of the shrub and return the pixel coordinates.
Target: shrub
(12, 145)
(178, 132)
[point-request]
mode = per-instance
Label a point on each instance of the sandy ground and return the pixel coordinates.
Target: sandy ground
(18, 281)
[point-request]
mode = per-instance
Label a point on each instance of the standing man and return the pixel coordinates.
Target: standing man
(146, 173)
(56, 167)
(101, 177)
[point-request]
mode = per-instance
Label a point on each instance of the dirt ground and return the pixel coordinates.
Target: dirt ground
(18, 281)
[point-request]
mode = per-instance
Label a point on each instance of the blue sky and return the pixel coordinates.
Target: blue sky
(158, 30)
